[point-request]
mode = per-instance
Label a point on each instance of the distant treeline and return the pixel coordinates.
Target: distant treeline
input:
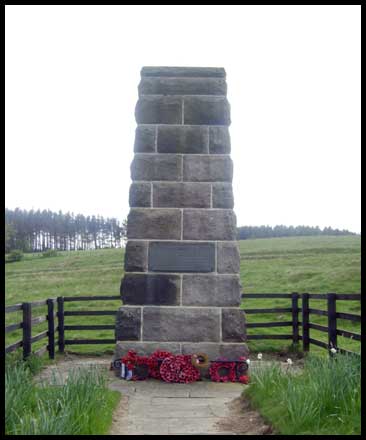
(36, 231)
(245, 232)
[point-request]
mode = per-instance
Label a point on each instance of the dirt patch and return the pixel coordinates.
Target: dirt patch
(243, 419)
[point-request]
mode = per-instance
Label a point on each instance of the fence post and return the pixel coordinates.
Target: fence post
(332, 320)
(51, 329)
(305, 322)
(27, 329)
(61, 330)
(295, 317)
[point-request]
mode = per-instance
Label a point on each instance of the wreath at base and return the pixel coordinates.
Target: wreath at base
(242, 370)
(222, 371)
(156, 359)
(179, 369)
(138, 365)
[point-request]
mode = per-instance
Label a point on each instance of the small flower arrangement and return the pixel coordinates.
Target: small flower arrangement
(138, 365)
(242, 369)
(200, 360)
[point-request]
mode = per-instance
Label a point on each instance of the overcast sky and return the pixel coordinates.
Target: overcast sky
(294, 85)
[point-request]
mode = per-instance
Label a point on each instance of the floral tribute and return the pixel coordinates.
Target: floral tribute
(179, 369)
(242, 370)
(139, 365)
(156, 359)
(200, 360)
(223, 370)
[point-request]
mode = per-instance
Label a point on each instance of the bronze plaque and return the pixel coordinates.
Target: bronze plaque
(181, 257)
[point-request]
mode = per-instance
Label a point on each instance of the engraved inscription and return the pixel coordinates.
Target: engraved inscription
(181, 257)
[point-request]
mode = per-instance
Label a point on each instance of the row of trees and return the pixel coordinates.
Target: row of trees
(245, 232)
(37, 231)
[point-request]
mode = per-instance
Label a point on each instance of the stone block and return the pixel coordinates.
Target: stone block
(191, 72)
(182, 139)
(140, 195)
(220, 140)
(211, 290)
(181, 324)
(222, 195)
(201, 224)
(228, 257)
(206, 110)
(136, 256)
(160, 85)
(216, 351)
(145, 348)
(181, 195)
(182, 257)
(207, 168)
(145, 139)
(233, 325)
(128, 324)
(154, 224)
(156, 167)
(159, 289)
(158, 110)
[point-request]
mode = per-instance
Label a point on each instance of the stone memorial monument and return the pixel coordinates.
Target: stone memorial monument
(181, 289)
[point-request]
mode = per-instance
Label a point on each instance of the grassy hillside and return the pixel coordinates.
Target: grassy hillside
(301, 264)
(304, 264)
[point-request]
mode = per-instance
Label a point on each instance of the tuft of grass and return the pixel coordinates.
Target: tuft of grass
(83, 405)
(325, 398)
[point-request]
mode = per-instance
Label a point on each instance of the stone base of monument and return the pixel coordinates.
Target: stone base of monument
(213, 350)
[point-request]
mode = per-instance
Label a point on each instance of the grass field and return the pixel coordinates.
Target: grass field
(277, 265)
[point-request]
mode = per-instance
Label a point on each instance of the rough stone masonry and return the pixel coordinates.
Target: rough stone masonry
(181, 289)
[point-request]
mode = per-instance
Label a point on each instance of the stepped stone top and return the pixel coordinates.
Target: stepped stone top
(210, 72)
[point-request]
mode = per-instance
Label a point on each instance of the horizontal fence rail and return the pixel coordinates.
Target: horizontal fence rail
(294, 323)
(304, 324)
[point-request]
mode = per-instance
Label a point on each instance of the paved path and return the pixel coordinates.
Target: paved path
(154, 407)
(157, 408)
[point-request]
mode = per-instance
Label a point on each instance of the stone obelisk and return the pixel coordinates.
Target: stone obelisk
(181, 289)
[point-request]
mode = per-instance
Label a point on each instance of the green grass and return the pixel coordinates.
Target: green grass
(324, 399)
(83, 405)
(300, 264)
(282, 265)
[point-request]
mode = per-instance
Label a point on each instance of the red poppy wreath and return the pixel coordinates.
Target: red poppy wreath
(156, 359)
(179, 369)
(221, 371)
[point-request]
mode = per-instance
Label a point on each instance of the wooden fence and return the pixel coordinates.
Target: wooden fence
(27, 324)
(331, 313)
(305, 325)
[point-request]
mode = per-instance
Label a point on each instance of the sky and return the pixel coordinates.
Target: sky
(294, 86)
